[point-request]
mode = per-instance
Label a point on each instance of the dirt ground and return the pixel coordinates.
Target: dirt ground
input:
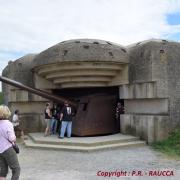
(125, 163)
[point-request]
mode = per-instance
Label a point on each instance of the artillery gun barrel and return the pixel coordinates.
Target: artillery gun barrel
(41, 93)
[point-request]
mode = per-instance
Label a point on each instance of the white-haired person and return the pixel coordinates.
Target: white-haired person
(8, 156)
(16, 124)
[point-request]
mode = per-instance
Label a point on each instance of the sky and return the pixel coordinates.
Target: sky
(31, 26)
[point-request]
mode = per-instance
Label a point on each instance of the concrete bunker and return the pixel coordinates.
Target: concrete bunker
(146, 75)
(88, 72)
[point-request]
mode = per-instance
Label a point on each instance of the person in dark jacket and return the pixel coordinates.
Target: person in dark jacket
(119, 110)
(66, 116)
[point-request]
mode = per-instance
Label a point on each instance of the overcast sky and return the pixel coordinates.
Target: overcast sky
(30, 26)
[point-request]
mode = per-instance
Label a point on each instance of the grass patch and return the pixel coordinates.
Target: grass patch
(171, 145)
(1, 98)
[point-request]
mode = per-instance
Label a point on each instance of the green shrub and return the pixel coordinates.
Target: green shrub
(1, 98)
(171, 145)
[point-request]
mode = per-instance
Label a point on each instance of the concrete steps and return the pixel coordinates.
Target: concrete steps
(82, 144)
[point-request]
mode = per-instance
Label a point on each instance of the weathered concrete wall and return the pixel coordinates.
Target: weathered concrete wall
(147, 106)
(148, 127)
(138, 90)
(154, 72)
(99, 63)
(82, 50)
(147, 64)
(171, 58)
(19, 70)
(42, 83)
(31, 106)
(31, 115)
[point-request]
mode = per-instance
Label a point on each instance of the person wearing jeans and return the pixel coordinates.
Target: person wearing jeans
(53, 125)
(54, 119)
(66, 125)
(8, 156)
(66, 116)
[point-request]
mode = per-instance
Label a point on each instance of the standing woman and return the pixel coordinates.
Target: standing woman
(48, 119)
(8, 156)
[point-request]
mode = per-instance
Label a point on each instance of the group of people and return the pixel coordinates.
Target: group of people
(8, 156)
(59, 120)
(53, 116)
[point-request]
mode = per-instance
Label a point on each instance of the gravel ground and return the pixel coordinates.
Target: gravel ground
(60, 165)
